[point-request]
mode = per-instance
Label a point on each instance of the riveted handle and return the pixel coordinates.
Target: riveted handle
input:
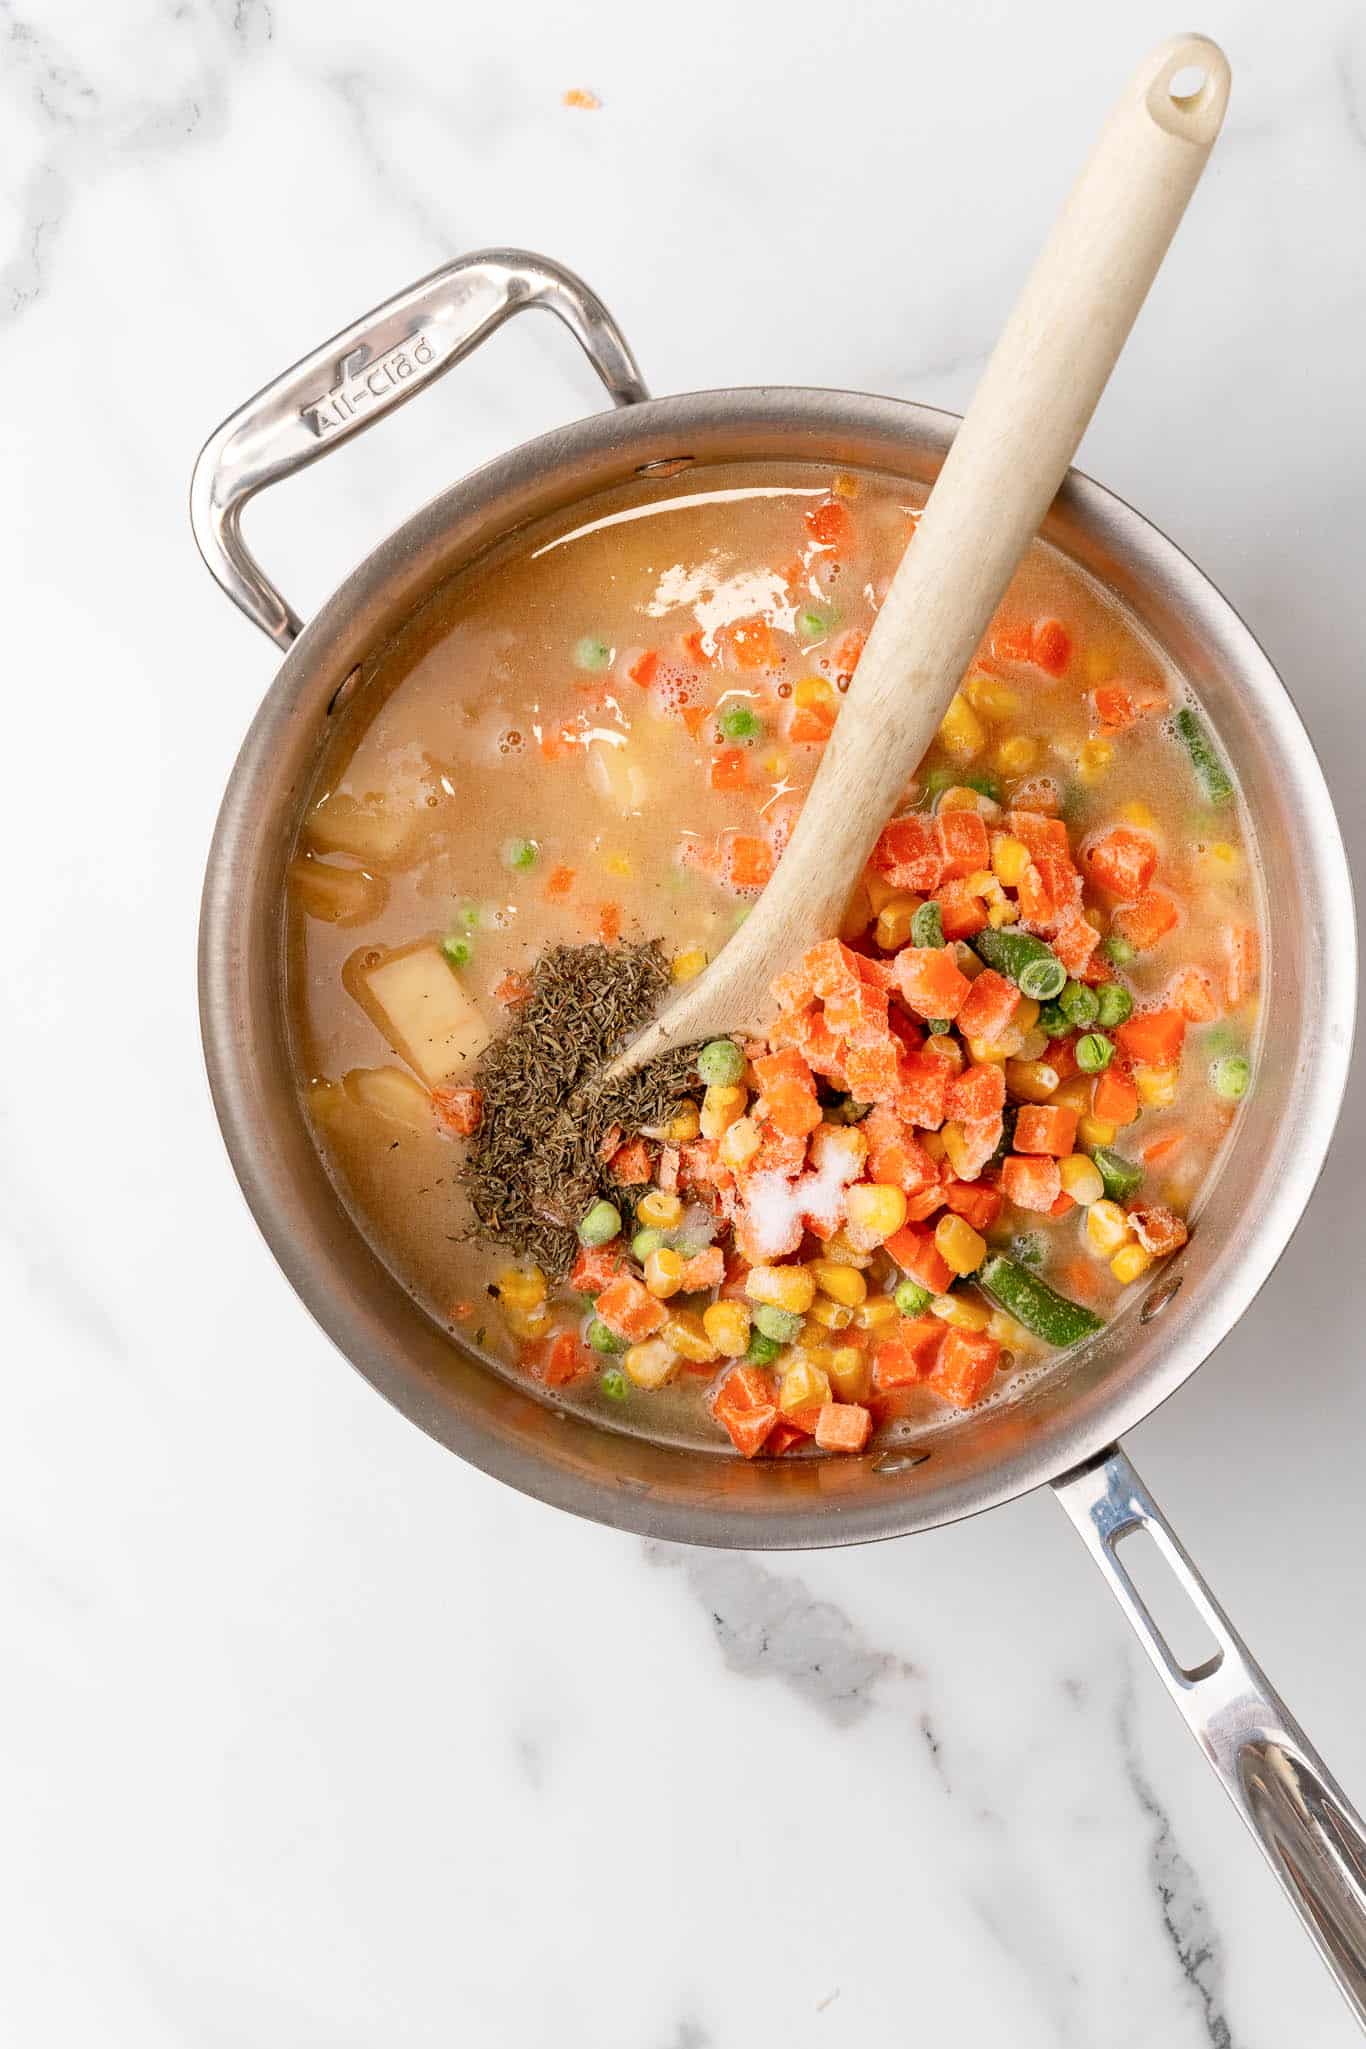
(1304, 1824)
(381, 361)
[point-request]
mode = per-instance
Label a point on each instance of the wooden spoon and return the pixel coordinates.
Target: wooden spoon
(1011, 453)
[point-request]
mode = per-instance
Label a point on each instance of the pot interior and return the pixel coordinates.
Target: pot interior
(1061, 1416)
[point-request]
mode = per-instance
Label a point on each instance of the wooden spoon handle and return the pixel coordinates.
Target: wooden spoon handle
(1011, 453)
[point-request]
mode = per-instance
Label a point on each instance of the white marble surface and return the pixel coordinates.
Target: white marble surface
(311, 1735)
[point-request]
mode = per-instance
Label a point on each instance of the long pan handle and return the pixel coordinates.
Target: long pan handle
(1306, 1827)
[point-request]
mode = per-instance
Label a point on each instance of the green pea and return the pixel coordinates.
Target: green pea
(911, 1299)
(938, 780)
(458, 952)
(1054, 1020)
(592, 653)
(762, 1351)
(1094, 1052)
(1115, 1005)
(937, 1026)
(600, 1224)
(721, 1061)
(1231, 1076)
(604, 1340)
(614, 1383)
(644, 1243)
(470, 916)
(1079, 1004)
(849, 1111)
(1117, 949)
(815, 621)
(927, 926)
(740, 722)
(1221, 1038)
(519, 853)
(782, 1325)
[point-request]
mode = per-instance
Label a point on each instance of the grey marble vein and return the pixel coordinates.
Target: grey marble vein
(769, 1627)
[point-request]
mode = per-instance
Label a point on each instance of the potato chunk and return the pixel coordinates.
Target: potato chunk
(371, 832)
(415, 998)
(392, 1094)
(340, 896)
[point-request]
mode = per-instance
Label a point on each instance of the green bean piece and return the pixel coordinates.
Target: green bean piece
(1030, 1300)
(1033, 967)
(721, 1062)
(1079, 1004)
(927, 926)
(1122, 1177)
(1094, 1052)
(762, 1351)
(1230, 1077)
(1114, 1005)
(1216, 784)
(600, 1224)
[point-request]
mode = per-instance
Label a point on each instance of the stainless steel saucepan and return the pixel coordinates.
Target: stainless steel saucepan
(1063, 1430)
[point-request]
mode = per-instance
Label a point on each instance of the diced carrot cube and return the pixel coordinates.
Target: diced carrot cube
(921, 1089)
(745, 1405)
(1035, 902)
(921, 1206)
(860, 1015)
(977, 1202)
(818, 1046)
(1040, 833)
(1164, 1148)
(916, 1253)
(782, 1437)
(565, 1360)
(630, 1164)
(832, 968)
(1030, 1182)
(828, 523)
(596, 1266)
(874, 1073)
(1240, 976)
(641, 670)
(1122, 861)
(896, 1157)
(908, 1352)
(1051, 645)
(1147, 920)
(694, 717)
(961, 914)
(844, 657)
(750, 643)
(609, 923)
(1114, 1099)
(977, 1093)
(1114, 707)
(458, 1110)
(749, 1429)
(931, 980)
(988, 1007)
(907, 854)
(728, 770)
(779, 1152)
(843, 1426)
(1158, 1229)
(1074, 943)
(696, 649)
(559, 882)
(511, 989)
(771, 1070)
(1046, 1128)
(810, 725)
(704, 1270)
(1153, 1038)
(963, 842)
(1012, 641)
(965, 1367)
(746, 862)
(627, 1308)
(979, 1139)
(1192, 992)
(793, 1110)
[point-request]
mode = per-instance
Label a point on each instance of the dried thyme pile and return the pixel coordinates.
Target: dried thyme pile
(539, 1158)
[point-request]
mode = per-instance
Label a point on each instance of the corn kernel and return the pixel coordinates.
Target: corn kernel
(1131, 1261)
(1094, 918)
(1095, 1131)
(982, 883)
(960, 1247)
(1156, 1086)
(1093, 760)
(943, 1046)
(531, 1322)
(875, 1212)
(846, 486)
(1136, 812)
(1007, 1331)
(803, 1383)
(1003, 913)
(960, 1313)
(850, 1372)
(1033, 1081)
(893, 929)
(727, 1326)
(1220, 861)
(1016, 756)
(955, 1149)
(660, 1210)
(1026, 1013)
(858, 914)
(1032, 1046)
(828, 1314)
(1081, 1180)
(617, 863)
(993, 698)
(1107, 1227)
(775, 766)
(876, 1313)
(521, 1287)
(931, 1142)
(811, 1341)
(844, 1252)
(740, 1143)
(684, 1125)
(651, 1364)
(848, 1140)
(1098, 664)
(664, 1272)
(686, 966)
(962, 797)
(687, 1334)
(1074, 1093)
(813, 690)
(782, 1287)
(880, 890)
(722, 1104)
(961, 732)
(841, 1283)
